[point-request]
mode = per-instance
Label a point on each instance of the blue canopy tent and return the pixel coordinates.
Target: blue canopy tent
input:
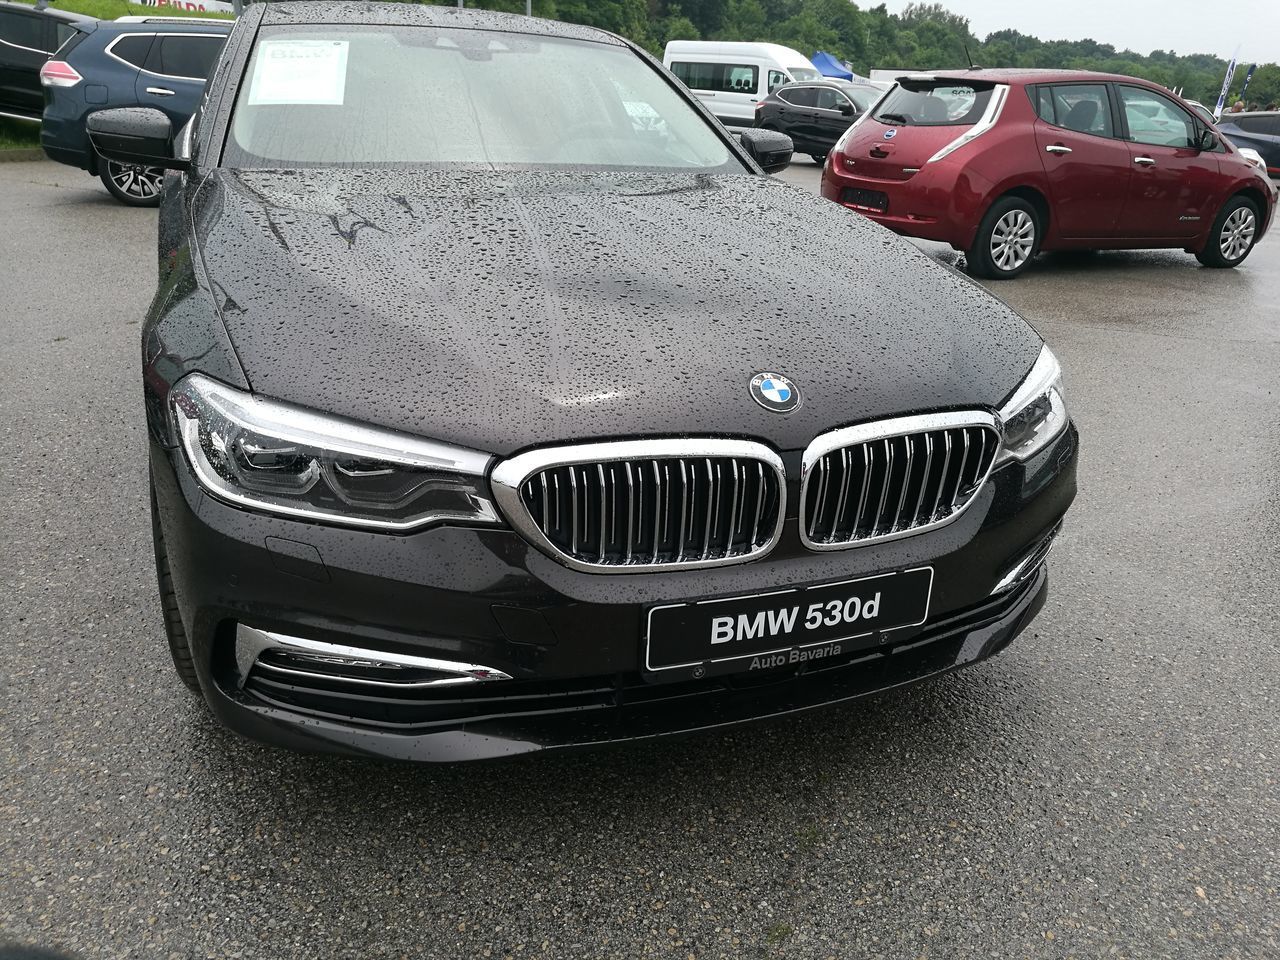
(829, 66)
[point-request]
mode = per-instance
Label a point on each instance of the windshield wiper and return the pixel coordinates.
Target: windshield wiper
(894, 118)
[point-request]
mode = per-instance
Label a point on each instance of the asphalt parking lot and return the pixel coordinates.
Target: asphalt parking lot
(1109, 786)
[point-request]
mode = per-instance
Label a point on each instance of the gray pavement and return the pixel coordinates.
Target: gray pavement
(1109, 786)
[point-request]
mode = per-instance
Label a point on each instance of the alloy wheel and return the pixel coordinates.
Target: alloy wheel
(1237, 233)
(135, 180)
(1012, 240)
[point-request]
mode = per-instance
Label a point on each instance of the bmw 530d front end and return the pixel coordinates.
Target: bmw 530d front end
(473, 445)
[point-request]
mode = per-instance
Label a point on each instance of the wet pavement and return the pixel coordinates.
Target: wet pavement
(1110, 785)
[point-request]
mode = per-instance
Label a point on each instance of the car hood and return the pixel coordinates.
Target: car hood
(501, 311)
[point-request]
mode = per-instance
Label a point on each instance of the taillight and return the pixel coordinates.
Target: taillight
(760, 105)
(59, 73)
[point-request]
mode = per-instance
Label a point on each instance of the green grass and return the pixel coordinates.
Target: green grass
(110, 9)
(16, 135)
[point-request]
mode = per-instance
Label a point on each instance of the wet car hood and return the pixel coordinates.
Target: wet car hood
(501, 311)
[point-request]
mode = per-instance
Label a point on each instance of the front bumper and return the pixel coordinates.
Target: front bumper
(572, 643)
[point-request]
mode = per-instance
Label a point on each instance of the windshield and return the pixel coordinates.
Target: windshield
(804, 73)
(862, 97)
(371, 96)
(934, 103)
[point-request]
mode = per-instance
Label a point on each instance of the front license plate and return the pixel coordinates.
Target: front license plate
(799, 625)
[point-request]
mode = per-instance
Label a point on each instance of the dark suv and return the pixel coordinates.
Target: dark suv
(159, 62)
(1259, 130)
(816, 112)
(28, 37)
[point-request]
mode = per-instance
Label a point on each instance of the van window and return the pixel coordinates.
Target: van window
(718, 77)
(776, 79)
(935, 103)
(805, 73)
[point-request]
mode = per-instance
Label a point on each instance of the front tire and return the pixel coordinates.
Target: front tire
(1007, 241)
(174, 631)
(1234, 232)
(818, 158)
(132, 184)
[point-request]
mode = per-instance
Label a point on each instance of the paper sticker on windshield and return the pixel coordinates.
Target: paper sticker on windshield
(299, 72)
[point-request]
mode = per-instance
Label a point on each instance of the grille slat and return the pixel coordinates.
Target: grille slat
(893, 484)
(657, 511)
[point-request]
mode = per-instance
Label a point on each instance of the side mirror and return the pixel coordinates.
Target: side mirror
(140, 135)
(770, 149)
(1206, 139)
(847, 109)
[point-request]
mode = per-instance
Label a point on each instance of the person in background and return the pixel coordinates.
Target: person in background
(1237, 107)
(1272, 106)
(1253, 107)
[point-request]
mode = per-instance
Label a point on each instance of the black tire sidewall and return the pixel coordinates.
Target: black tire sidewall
(104, 174)
(1211, 255)
(979, 255)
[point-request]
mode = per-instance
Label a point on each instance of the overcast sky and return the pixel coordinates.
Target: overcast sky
(1185, 26)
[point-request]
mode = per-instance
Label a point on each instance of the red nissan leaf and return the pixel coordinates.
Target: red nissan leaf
(1003, 164)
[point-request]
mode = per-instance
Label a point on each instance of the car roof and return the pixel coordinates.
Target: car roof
(828, 81)
(423, 15)
(1227, 115)
(1016, 75)
(168, 24)
(66, 16)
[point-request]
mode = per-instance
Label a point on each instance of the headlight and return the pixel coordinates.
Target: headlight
(284, 459)
(1253, 156)
(1037, 412)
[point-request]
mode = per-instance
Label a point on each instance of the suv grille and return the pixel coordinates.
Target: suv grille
(891, 479)
(647, 504)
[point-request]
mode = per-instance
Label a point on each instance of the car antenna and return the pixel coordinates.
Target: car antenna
(967, 57)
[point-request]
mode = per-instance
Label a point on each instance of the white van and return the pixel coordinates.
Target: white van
(730, 78)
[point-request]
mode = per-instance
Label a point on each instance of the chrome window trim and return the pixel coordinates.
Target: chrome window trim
(510, 475)
(826, 443)
(18, 46)
(110, 52)
(252, 642)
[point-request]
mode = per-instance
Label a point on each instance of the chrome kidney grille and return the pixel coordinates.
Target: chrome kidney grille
(894, 478)
(648, 504)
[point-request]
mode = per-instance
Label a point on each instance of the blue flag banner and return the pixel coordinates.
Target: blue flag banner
(1226, 88)
(1247, 77)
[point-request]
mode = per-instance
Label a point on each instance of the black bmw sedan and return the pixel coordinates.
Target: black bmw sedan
(478, 426)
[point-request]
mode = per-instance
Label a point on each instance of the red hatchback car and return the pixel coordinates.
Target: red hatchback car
(1005, 163)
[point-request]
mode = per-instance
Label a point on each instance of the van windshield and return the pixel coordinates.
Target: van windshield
(370, 96)
(804, 73)
(935, 103)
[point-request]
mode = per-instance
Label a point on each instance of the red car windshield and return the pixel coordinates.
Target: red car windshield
(935, 103)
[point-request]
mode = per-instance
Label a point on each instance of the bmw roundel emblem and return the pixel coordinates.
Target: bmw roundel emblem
(774, 392)
(891, 133)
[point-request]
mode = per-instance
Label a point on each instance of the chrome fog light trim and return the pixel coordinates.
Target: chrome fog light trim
(251, 643)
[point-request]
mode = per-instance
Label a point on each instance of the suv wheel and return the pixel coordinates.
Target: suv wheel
(1233, 234)
(176, 634)
(818, 158)
(133, 184)
(1008, 238)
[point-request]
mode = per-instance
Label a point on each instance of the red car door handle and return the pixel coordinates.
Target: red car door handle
(1145, 161)
(1057, 148)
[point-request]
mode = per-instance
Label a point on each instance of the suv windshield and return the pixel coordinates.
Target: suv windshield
(935, 103)
(370, 96)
